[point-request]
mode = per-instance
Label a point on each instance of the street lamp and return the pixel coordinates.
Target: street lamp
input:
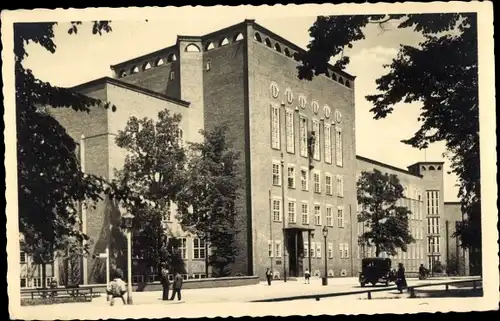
(127, 218)
(325, 278)
(311, 236)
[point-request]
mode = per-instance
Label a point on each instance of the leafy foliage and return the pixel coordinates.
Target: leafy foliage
(51, 185)
(212, 185)
(441, 73)
(154, 169)
(386, 223)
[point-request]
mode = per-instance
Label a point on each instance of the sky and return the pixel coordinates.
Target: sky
(84, 57)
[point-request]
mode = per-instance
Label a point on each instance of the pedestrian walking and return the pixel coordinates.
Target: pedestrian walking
(117, 288)
(269, 276)
(307, 276)
(165, 282)
(401, 278)
(177, 286)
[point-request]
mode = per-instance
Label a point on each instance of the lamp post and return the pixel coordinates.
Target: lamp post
(283, 214)
(311, 236)
(128, 217)
(431, 242)
(325, 278)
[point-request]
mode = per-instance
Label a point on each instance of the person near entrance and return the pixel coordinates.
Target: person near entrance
(307, 276)
(269, 276)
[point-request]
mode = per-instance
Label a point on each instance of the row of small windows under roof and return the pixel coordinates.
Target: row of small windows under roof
(257, 37)
(148, 65)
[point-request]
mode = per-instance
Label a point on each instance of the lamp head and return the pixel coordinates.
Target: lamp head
(325, 231)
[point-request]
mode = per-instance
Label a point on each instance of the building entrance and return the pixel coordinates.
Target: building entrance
(295, 247)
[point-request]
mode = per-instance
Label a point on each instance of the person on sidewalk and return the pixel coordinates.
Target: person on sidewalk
(269, 276)
(401, 278)
(307, 276)
(177, 286)
(165, 282)
(117, 288)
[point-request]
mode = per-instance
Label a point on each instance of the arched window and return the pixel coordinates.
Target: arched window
(287, 52)
(122, 74)
(257, 37)
(223, 42)
(238, 37)
(208, 65)
(347, 83)
(146, 66)
(172, 57)
(277, 47)
(341, 80)
(209, 46)
(423, 168)
(439, 168)
(268, 43)
(159, 62)
(334, 77)
(134, 70)
(431, 168)
(192, 48)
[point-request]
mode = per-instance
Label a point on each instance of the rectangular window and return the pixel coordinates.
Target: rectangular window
(198, 249)
(172, 75)
(276, 173)
(346, 250)
(328, 184)
(168, 212)
(317, 182)
(312, 250)
(303, 136)
(432, 202)
(304, 179)
(291, 176)
(305, 213)
(330, 250)
(340, 216)
(318, 250)
(292, 215)
(328, 144)
(338, 148)
(22, 257)
(24, 283)
(340, 186)
(183, 247)
(341, 250)
(277, 209)
(316, 131)
(270, 248)
(278, 249)
(290, 132)
(306, 249)
(329, 215)
(275, 127)
(317, 214)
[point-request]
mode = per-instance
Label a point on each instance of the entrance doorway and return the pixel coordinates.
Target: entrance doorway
(295, 247)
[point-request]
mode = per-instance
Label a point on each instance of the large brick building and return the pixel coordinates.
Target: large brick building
(296, 139)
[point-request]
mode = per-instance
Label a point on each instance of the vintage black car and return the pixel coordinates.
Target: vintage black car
(376, 270)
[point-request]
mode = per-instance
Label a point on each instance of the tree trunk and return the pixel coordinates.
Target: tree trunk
(377, 250)
(44, 275)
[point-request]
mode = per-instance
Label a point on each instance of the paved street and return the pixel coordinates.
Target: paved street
(213, 302)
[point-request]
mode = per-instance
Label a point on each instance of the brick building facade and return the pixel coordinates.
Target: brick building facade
(296, 139)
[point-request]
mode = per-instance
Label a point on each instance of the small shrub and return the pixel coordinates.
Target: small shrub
(53, 300)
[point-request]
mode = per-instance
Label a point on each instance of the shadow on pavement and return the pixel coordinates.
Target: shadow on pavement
(451, 293)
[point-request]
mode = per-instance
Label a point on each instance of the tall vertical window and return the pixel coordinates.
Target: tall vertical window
(312, 250)
(277, 248)
(341, 250)
(317, 133)
(340, 216)
(275, 127)
(317, 182)
(318, 250)
(168, 212)
(276, 173)
(182, 247)
(303, 136)
(198, 248)
(329, 215)
(290, 132)
(330, 250)
(328, 143)
(339, 157)
(305, 213)
(292, 215)
(433, 225)
(270, 251)
(432, 202)
(433, 245)
(328, 184)
(306, 249)
(291, 176)
(304, 179)
(317, 214)
(340, 186)
(22, 256)
(277, 209)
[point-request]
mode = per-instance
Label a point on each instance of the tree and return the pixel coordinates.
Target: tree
(154, 169)
(212, 190)
(387, 223)
(441, 73)
(51, 185)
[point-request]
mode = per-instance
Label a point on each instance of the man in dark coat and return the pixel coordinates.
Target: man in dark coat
(401, 278)
(165, 282)
(177, 286)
